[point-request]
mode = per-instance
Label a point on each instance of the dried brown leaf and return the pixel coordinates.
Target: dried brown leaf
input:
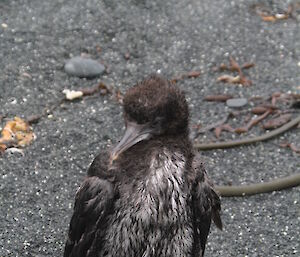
(89, 90)
(229, 79)
(217, 98)
(291, 146)
(193, 74)
(241, 130)
(248, 65)
(223, 67)
(94, 89)
(16, 132)
(234, 66)
(277, 122)
(253, 122)
(269, 18)
(258, 119)
(218, 131)
(244, 81)
(259, 110)
(226, 127)
(214, 125)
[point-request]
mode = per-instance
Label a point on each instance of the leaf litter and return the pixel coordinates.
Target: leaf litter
(267, 15)
(233, 66)
(16, 133)
(266, 107)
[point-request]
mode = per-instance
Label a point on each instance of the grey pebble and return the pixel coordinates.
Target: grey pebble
(83, 67)
(236, 102)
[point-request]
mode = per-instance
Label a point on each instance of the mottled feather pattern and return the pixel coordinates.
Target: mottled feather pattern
(170, 209)
(148, 196)
(157, 212)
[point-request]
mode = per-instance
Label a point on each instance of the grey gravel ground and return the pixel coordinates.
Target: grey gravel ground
(171, 37)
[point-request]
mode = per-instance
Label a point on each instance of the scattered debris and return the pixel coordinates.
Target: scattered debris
(235, 67)
(247, 65)
(274, 97)
(268, 16)
(191, 74)
(212, 126)
(263, 108)
(291, 146)
(92, 90)
(229, 79)
(72, 94)
(217, 98)
(244, 81)
(226, 127)
(259, 110)
(277, 122)
(16, 133)
(253, 122)
(245, 141)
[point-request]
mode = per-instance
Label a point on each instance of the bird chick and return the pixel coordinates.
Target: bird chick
(148, 196)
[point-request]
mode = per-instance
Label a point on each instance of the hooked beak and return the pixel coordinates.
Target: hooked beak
(134, 133)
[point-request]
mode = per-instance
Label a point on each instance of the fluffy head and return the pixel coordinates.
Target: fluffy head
(157, 102)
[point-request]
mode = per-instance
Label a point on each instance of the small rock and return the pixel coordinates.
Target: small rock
(83, 67)
(236, 102)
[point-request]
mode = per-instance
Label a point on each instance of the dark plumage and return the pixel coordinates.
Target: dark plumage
(148, 196)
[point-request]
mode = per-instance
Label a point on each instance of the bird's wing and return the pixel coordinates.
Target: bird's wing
(93, 202)
(206, 207)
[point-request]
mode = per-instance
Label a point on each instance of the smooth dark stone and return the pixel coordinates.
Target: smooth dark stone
(83, 67)
(236, 102)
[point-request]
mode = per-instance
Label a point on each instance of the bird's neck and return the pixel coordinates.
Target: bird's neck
(135, 161)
